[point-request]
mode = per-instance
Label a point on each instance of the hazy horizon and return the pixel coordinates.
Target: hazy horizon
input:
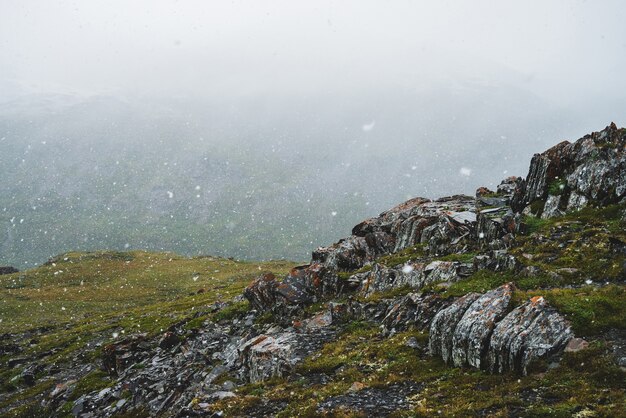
(264, 129)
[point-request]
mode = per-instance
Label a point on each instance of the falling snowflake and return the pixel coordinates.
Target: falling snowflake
(369, 126)
(407, 268)
(464, 171)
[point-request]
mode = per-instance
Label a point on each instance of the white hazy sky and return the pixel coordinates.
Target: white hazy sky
(564, 50)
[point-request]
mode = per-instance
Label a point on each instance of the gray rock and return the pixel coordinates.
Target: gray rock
(472, 332)
(412, 274)
(568, 176)
(266, 356)
(444, 324)
(413, 310)
(530, 331)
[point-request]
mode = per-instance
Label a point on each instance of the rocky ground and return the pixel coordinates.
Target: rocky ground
(508, 303)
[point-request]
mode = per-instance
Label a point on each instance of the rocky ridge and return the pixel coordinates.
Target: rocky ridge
(390, 274)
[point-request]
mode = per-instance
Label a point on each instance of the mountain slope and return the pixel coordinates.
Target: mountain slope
(509, 303)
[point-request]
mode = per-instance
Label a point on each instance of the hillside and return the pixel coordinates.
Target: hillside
(511, 302)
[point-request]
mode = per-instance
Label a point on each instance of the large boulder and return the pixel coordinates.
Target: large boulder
(443, 325)
(479, 331)
(460, 333)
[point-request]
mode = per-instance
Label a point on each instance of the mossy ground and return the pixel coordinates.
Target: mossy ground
(82, 301)
(587, 380)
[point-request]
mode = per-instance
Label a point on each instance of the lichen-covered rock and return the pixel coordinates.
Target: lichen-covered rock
(268, 356)
(472, 332)
(444, 324)
(414, 274)
(413, 310)
(530, 331)
(261, 292)
(570, 175)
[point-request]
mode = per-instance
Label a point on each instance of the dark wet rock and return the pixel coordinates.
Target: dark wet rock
(261, 293)
(373, 401)
(119, 356)
(569, 176)
(8, 270)
(28, 375)
(443, 325)
(498, 260)
(301, 287)
(413, 310)
(16, 361)
(532, 330)
(169, 340)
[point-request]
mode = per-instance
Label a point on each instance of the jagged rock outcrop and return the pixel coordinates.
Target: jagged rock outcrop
(530, 331)
(476, 330)
(565, 177)
(443, 325)
(413, 310)
(570, 175)
(414, 274)
(444, 225)
(268, 356)
(471, 334)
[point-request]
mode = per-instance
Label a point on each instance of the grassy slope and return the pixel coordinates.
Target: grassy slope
(84, 298)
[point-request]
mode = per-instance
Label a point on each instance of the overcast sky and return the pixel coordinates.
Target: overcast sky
(564, 50)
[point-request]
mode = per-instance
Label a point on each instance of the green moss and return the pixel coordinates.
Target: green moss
(480, 282)
(234, 310)
(591, 310)
(345, 275)
(94, 381)
(535, 224)
(558, 187)
(536, 207)
(387, 294)
(408, 254)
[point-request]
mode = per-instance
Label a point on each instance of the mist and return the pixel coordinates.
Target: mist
(261, 130)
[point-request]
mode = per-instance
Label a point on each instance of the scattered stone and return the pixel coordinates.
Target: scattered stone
(576, 344)
(356, 386)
